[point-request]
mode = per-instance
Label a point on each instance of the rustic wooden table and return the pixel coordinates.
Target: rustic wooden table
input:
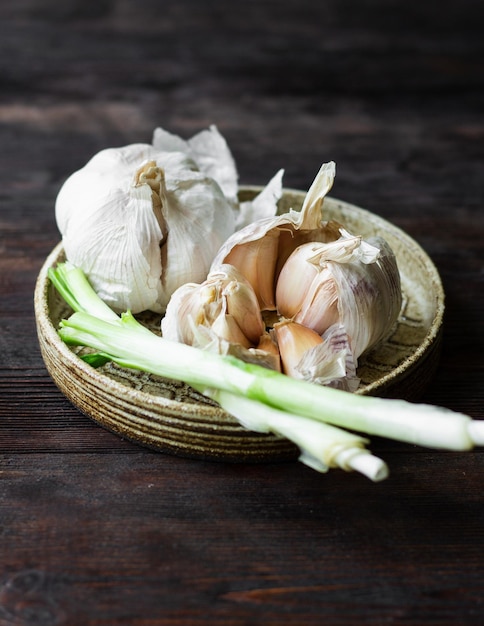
(96, 530)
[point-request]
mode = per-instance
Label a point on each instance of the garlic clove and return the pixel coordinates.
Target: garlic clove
(242, 306)
(221, 315)
(294, 340)
(300, 281)
(225, 327)
(268, 346)
(184, 314)
(326, 360)
(306, 290)
(256, 260)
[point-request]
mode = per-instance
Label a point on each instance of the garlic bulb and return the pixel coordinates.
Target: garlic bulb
(144, 219)
(140, 223)
(341, 294)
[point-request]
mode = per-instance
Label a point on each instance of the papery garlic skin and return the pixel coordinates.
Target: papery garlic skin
(263, 206)
(370, 298)
(138, 244)
(199, 220)
(209, 150)
(333, 363)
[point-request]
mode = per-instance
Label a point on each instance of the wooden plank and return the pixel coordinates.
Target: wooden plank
(97, 531)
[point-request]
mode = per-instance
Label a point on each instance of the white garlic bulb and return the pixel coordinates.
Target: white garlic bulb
(143, 219)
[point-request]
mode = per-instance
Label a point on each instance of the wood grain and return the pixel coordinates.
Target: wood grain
(96, 530)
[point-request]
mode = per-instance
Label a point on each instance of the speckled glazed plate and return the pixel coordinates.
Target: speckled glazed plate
(171, 417)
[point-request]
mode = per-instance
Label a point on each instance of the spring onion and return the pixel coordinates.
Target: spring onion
(251, 392)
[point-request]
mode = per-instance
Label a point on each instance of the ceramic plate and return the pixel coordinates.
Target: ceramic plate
(170, 416)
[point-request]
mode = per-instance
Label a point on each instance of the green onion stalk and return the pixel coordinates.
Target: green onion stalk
(321, 421)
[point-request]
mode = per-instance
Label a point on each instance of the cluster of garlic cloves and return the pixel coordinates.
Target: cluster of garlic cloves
(333, 295)
(221, 314)
(260, 249)
(351, 282)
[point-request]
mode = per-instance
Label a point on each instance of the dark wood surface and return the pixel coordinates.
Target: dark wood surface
(95, 530)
